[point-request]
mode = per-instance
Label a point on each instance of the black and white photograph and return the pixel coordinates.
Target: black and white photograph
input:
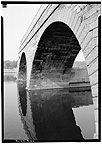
(50, 71)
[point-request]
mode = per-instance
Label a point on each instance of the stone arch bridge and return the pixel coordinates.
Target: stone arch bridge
(51, 43)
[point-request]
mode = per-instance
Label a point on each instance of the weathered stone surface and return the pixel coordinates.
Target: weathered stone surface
(79, 32)
(87, 40)
(94, 90)
(91, 10)
(92, 55)
(93, 25)
(84, 33)
(93, 67)
(94, 78)
(74, 21)
(91, 45)
(95, 32)
(77, 25)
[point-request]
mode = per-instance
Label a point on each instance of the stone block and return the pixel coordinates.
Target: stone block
(91, 10)
(72, 6)
(95, 102)
(97, 127)
(94, 86)
(77, 26)
(94, 78)
(76, 7)
(96, 113)
(62, 14)
(95, 32)
(93, 66)
(72, 19)
(81, 27)
(91, 56)
(69, 16)
(68, 5)
(83, 34)
(93, 18)
(75, 21)
(93, 25)
(86, 40)
(66, 14)
(92, 43)
(95, 136)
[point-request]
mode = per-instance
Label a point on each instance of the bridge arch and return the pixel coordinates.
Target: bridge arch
(83, 22)
(22, 73)
(55, 55)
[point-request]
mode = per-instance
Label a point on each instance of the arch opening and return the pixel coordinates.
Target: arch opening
(56, 52)
(55, 55)
(22, 68)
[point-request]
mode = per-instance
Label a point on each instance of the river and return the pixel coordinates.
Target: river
(47, 115)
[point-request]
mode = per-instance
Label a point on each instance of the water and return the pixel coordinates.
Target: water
(47, 114)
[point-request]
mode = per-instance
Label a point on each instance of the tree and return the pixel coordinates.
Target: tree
(10, 64)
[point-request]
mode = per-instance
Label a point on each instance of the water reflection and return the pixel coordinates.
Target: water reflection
(25, 111)
(48, 115)
(22, 98)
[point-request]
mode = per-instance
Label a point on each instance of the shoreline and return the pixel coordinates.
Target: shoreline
(73, 85)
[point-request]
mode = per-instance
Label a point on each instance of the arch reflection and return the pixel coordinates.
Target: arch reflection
(25, 111)
(53, 116)
(22, 98)
(47, 115)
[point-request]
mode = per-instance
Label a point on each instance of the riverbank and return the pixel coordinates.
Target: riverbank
(79, 81)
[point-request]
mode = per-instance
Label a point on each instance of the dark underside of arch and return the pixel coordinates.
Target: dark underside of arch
(22, 68)
(56, 52)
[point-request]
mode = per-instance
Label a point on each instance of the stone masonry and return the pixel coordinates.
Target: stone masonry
(81, 22)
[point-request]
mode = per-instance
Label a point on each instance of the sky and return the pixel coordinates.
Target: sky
(17, 19)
